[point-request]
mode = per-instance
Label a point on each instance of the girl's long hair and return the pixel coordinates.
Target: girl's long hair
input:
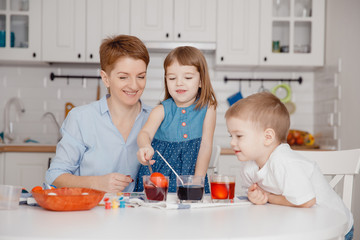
(191, 56)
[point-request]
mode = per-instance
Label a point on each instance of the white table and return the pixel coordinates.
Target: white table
(236, 222)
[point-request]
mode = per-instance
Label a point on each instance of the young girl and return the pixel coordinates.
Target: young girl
(182, 127)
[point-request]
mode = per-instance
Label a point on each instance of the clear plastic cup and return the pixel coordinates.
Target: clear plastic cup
(222, 188)
(155, 188)
(9, 196)
(191, 189)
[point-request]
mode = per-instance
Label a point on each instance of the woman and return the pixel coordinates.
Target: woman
(98, 146)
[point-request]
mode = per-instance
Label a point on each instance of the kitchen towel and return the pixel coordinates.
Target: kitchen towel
(171, 203)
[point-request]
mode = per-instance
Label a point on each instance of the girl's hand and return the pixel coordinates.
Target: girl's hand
(256, 195)
(113, 182)
(145, 155)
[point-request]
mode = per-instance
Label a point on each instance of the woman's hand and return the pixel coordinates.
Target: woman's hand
(257, 195)
(145, 155)
(113, 182)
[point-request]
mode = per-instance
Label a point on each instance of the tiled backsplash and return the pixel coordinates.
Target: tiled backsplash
(39, 94)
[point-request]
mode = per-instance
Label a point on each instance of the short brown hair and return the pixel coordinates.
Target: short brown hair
(115, 47)
(191, 56)
(265, 110)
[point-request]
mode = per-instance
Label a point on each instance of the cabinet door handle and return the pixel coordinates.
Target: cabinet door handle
(91, 56)
(179, 35)
(167, 35)
(79, 55)
(49, 162)
(222, 59)
(34, 55)
(265, 59)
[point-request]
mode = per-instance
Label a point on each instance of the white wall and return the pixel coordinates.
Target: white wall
(39, 94)
(343, 44)
(326, 108)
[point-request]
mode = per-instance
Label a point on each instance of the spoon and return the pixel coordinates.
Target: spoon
(151, 172)
(170, 167)
(150, 168)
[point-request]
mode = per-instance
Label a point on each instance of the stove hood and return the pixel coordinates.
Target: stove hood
(168, 46)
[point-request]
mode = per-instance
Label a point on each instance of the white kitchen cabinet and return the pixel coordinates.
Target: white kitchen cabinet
(174, 20)
(26, 169)
(64, 30)
(73, 29)
(238, 32)
(270, 33)
(292, 32)
(20, 31)
(105, 18)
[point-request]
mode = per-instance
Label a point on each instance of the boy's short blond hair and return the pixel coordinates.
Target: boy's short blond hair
(265, 110)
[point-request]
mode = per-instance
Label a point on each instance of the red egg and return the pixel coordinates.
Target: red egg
(159, 180)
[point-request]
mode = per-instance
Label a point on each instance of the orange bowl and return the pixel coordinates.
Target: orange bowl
(68, 199)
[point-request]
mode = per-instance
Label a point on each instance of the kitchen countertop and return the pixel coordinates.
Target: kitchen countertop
(27, 148)
(229, 151)
(52, 148)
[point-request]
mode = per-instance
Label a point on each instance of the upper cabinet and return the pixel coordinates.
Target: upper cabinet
(20, 30)
(238, 32)
(105, 18)
(73, 29)
(270, 33)
(64, 30)
(292, 32)
(174, 20)
(245, 32)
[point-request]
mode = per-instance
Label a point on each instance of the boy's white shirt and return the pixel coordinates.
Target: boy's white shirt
(289, 174)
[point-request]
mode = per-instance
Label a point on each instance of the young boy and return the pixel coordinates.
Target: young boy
(272, 171)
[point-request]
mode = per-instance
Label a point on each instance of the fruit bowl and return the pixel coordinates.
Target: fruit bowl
(68, 199)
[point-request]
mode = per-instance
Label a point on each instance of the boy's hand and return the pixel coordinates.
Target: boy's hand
(256, 195)
(145, 155)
